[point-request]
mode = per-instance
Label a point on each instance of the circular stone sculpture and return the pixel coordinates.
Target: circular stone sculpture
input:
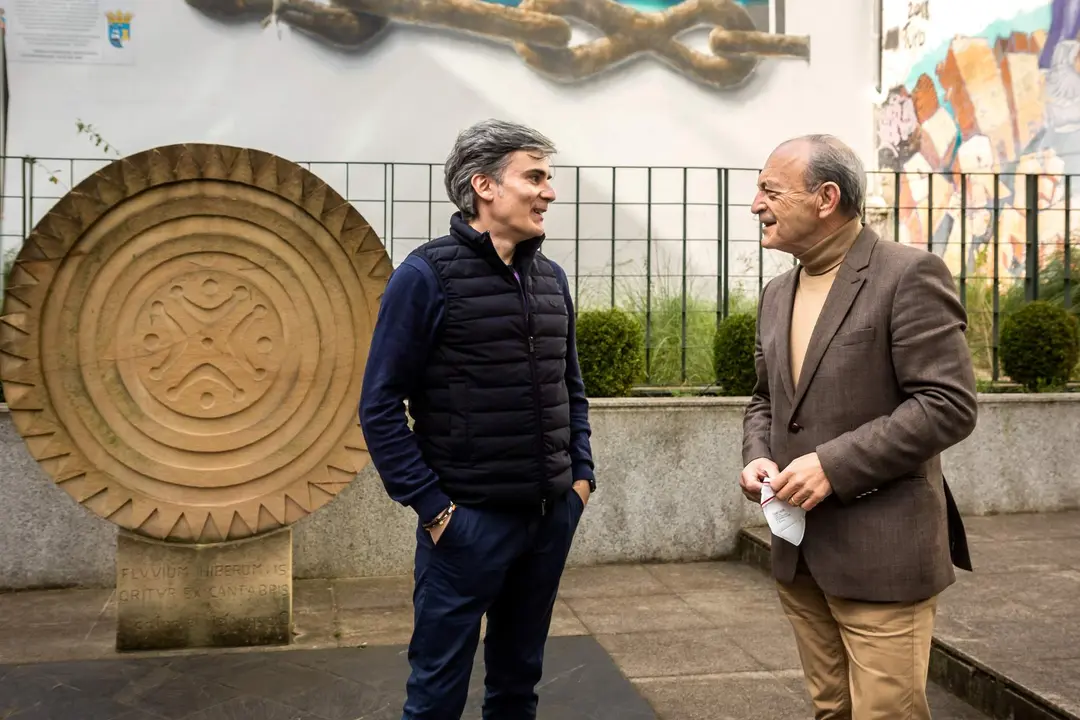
(184, 337)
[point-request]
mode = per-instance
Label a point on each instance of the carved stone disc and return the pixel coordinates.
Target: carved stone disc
(184, 337)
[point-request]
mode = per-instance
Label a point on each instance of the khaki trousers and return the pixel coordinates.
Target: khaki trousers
(860, 660)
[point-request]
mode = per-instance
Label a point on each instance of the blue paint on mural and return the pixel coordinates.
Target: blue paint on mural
(1029, 22)
(1060, 20)
(1064, 26)
(1005, 99)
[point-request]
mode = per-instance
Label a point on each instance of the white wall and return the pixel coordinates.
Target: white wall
(194, 78)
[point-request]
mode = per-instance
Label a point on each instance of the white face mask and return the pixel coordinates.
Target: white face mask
(785, 521)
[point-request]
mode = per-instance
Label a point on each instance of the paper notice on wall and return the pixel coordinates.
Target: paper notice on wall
(69, 31)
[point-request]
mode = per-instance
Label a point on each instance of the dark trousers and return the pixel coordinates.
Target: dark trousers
(507, 565)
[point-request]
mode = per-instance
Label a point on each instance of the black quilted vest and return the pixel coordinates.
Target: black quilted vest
(491, 411)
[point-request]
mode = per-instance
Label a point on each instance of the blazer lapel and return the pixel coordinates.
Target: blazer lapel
(786, 297)
(849, 280)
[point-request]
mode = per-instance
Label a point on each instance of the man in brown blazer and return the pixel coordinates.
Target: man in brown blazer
(863, 379)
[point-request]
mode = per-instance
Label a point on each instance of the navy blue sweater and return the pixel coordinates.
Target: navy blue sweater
(408, 323)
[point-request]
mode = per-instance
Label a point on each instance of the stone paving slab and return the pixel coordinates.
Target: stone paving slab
(581, 682)
(1011, 622)
(700, 641)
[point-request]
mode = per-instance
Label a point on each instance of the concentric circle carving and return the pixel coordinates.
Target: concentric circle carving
(184, 337)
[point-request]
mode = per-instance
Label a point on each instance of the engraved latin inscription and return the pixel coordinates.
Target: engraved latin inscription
(234, 593)
(234, 580)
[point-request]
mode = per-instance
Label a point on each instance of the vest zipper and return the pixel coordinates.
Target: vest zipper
(536, 390)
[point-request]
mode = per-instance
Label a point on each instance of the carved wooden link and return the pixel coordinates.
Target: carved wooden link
(540, 32)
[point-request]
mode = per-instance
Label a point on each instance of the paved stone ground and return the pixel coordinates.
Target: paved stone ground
(697, 641)
(1015, 615)
(330, 684)
(703, 641)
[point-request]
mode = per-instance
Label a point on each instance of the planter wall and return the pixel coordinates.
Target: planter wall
(667, 471)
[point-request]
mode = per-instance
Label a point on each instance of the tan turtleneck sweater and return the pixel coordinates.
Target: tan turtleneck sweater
(819, 267)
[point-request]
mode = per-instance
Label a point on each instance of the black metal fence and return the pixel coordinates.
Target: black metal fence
(679, 247)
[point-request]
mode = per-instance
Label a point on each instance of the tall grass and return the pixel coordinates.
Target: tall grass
(978, 298)
(979, 302)
(678, 331)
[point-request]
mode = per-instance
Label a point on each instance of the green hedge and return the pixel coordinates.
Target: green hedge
(611, 347)
(1040, 346)
(733, 353)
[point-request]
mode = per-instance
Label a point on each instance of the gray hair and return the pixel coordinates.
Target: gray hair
(833, 161)
(485, 149)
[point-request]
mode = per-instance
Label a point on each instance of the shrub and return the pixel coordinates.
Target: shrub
(1040, 346)
(610, 349)
(1051, 284)
(733, 353)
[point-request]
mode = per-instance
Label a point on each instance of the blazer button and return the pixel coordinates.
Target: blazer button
(794, 427)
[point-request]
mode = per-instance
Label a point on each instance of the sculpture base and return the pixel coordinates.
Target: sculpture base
(230, 594)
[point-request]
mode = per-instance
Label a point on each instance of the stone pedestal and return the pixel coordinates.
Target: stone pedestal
(229, 594)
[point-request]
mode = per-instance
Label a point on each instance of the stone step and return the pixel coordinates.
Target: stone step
(1020, 686)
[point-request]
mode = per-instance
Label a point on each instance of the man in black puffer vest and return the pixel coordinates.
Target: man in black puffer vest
(476, 333)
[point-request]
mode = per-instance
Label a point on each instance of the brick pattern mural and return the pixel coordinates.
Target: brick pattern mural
(992, 87)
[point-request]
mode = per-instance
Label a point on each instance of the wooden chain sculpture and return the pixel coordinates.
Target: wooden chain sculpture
(539, 32)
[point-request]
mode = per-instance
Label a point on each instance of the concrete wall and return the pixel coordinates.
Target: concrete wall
(667, 470)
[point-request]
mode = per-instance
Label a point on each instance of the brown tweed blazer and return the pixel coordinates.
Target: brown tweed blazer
(887, 385)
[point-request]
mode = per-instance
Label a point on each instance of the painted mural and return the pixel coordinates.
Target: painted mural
(540, 31)
(988, 90)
